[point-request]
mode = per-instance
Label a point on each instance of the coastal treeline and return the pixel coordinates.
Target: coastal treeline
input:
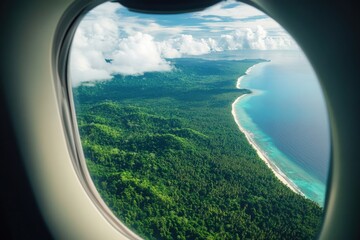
(167, 157)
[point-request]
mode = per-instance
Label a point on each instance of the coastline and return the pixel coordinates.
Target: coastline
(278, 173)
(242, 77)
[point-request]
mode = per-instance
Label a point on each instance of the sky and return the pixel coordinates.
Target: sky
(112, 40)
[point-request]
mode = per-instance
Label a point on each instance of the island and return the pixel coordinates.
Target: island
(168, 159)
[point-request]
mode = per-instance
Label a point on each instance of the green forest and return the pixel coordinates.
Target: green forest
(168, 159)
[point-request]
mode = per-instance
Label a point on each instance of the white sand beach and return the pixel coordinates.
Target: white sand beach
(278, 173)
(238, 82)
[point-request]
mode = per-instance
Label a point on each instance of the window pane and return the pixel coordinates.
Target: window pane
(204, 125)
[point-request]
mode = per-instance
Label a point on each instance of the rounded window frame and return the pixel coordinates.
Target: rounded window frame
(63, 39)
(62, 45)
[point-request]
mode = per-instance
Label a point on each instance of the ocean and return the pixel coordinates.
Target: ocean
(286, 116)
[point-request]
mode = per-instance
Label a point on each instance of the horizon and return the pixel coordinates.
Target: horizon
(137, 43)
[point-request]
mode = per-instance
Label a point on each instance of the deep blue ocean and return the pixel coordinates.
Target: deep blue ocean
(287, 117)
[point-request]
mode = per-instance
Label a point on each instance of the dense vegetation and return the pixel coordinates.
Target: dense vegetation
(167, 157)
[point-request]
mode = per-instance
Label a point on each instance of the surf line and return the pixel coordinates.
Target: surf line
(263, 156)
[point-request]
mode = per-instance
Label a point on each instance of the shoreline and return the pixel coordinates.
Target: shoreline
(245, 74)
(262, 155)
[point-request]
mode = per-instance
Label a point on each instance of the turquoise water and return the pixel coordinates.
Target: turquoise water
(306, 182)
(287, 117)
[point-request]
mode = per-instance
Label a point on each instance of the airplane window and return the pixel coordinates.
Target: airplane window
(201, 125)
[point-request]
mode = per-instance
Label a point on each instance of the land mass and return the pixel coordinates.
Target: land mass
(167, 157)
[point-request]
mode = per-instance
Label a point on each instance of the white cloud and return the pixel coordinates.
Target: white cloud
(83, 67)
(216, 19)
(98, 38)
(187, 44)
(107, 9)
(167, 50)
(88, 53)
(138, 54)
(230, 15)
(213, 44)
(268, 24)
(131, 25)
(256, 39)
(132, 55)
(108, 43)
(238, 12)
